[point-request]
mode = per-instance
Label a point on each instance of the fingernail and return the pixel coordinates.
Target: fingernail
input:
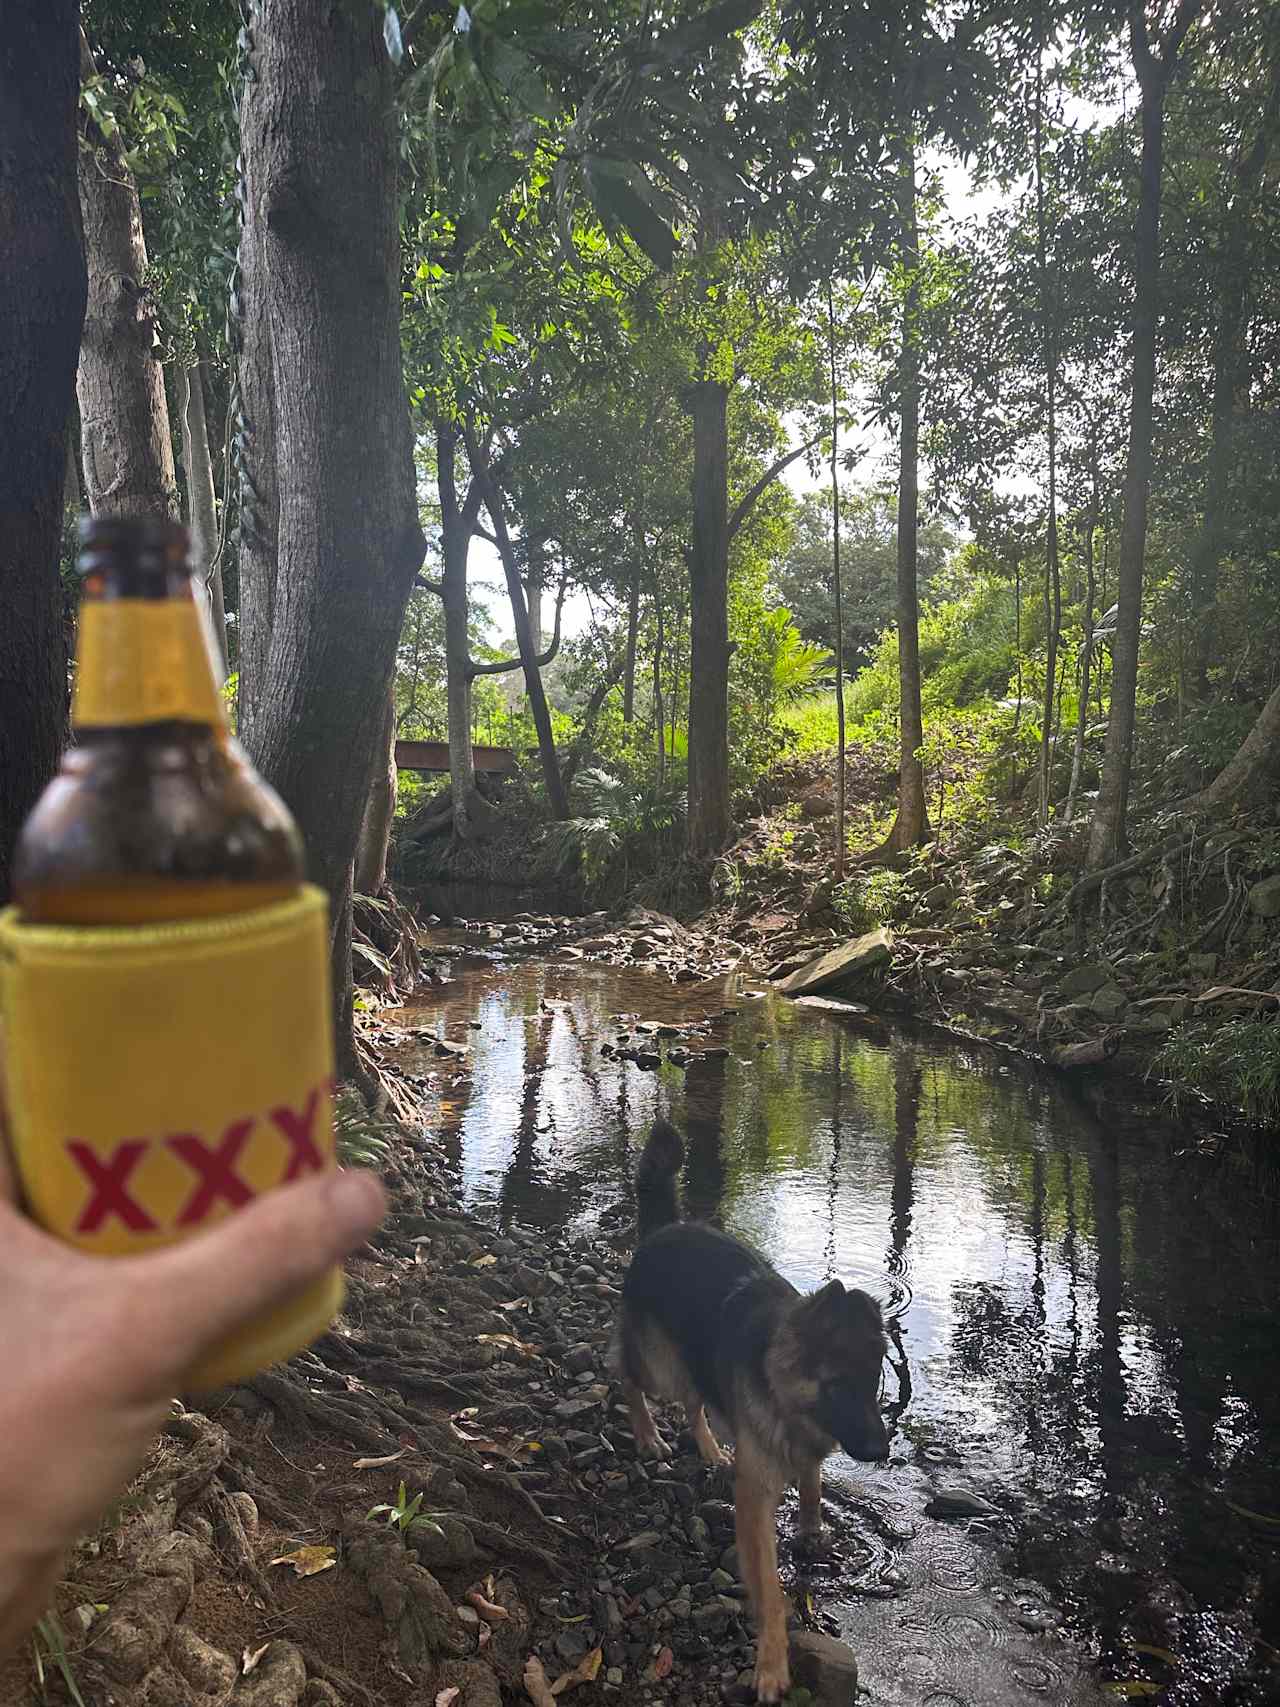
(358, 1203)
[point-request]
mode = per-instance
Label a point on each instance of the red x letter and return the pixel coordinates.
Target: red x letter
(304, 1158)
(108, 1182)
(216, 1168)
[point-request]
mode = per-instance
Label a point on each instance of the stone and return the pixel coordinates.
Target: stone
(1083, 981)
(1203, 965)
(959, 1502)
(832, 1005)
(825, 1667)
(1109, 1001)
(816, 806)
(442, 1543)
(1264, 898)
(857, 958)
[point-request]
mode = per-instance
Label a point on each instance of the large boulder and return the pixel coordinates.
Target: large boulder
(851, 960)
(1264, 898)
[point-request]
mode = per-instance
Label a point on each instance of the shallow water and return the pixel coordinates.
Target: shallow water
(1087, 1306)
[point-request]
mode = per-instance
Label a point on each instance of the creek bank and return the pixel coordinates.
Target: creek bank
(1150, 971)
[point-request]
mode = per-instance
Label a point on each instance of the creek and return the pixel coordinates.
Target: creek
(1087, 1307)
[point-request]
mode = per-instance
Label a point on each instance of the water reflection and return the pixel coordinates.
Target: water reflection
(1090, 1319)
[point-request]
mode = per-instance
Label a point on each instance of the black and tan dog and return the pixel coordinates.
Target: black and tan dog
(710, 1324)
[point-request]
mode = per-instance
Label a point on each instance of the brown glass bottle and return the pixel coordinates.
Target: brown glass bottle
(155, 813)
(164, 972)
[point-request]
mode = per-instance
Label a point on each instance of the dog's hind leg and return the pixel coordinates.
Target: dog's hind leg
(708, 1446)
(755, 1510)
(648, 1441)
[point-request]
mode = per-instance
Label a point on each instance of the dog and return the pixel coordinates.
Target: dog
(707, 1322)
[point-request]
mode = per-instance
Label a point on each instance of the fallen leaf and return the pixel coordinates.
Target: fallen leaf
(536, 1686)
(377, 1463)
(488, 1610)
(484, 1636)
(250, 1659)
(308, 1561)
(588, 1669)
(662, 1663)
(522, 1346)
(486, 1261)
(447, 1697)
(1161, 1654)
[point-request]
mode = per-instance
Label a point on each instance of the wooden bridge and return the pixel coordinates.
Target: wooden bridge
(434, 756)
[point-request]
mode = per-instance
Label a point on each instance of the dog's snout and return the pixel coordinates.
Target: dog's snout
(868, 1442)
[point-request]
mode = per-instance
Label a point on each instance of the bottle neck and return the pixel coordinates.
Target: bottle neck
(142, 654)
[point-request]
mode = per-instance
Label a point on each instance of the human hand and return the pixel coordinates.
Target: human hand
(92, 1350)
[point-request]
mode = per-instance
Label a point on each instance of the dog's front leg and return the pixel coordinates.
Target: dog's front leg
(756, 1494)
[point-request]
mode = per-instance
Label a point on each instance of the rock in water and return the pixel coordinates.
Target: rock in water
(855, 959)
(825, 1667)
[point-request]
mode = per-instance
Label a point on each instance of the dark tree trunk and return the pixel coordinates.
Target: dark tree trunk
(42, 304)
(911, 827)
(709, 823)
(202, 514)
(1052, 572)
(629, 662)
(529, 664)
(379, 809)
(319, 140)
(124, 416)
(472, 814)
(1252, 777)
(837, 870)
(534, 580)
(1108, 837)
(1086, 653)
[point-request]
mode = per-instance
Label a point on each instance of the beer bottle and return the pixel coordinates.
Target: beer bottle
(164, 973)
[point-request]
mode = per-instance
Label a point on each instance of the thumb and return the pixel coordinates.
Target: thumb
(189, 1297)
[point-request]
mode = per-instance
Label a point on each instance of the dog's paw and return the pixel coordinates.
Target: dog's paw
(653, 1446)
(773, 1675)
(815, 1541)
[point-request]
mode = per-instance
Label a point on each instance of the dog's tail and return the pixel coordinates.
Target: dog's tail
(657, 1191)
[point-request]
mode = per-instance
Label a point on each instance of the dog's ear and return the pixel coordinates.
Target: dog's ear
(823, 1308)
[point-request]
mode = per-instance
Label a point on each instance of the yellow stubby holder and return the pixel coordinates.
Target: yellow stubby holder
(159, 1077)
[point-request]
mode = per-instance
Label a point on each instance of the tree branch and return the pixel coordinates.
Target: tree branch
(751, 497)
(425, 586)
(500, 667)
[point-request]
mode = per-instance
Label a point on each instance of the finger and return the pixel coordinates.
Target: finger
(193, 1295)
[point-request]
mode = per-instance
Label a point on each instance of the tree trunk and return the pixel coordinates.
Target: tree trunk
(534, 580)
(911, 827)
(1052, 573)
(1086, 655)
(124, 417)
(1251, 778)
(709, 822)
(837, 870)
(202, 515)
(42, 304)
(379, 808)
(1228, 362)
(528, 651)
(259, 483)
(629, 664)
(1108, 837)
(320, 145)
(456, 523)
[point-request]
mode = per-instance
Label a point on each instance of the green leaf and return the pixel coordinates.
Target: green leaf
(714, 25)
(391, 35)
(612, 189)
